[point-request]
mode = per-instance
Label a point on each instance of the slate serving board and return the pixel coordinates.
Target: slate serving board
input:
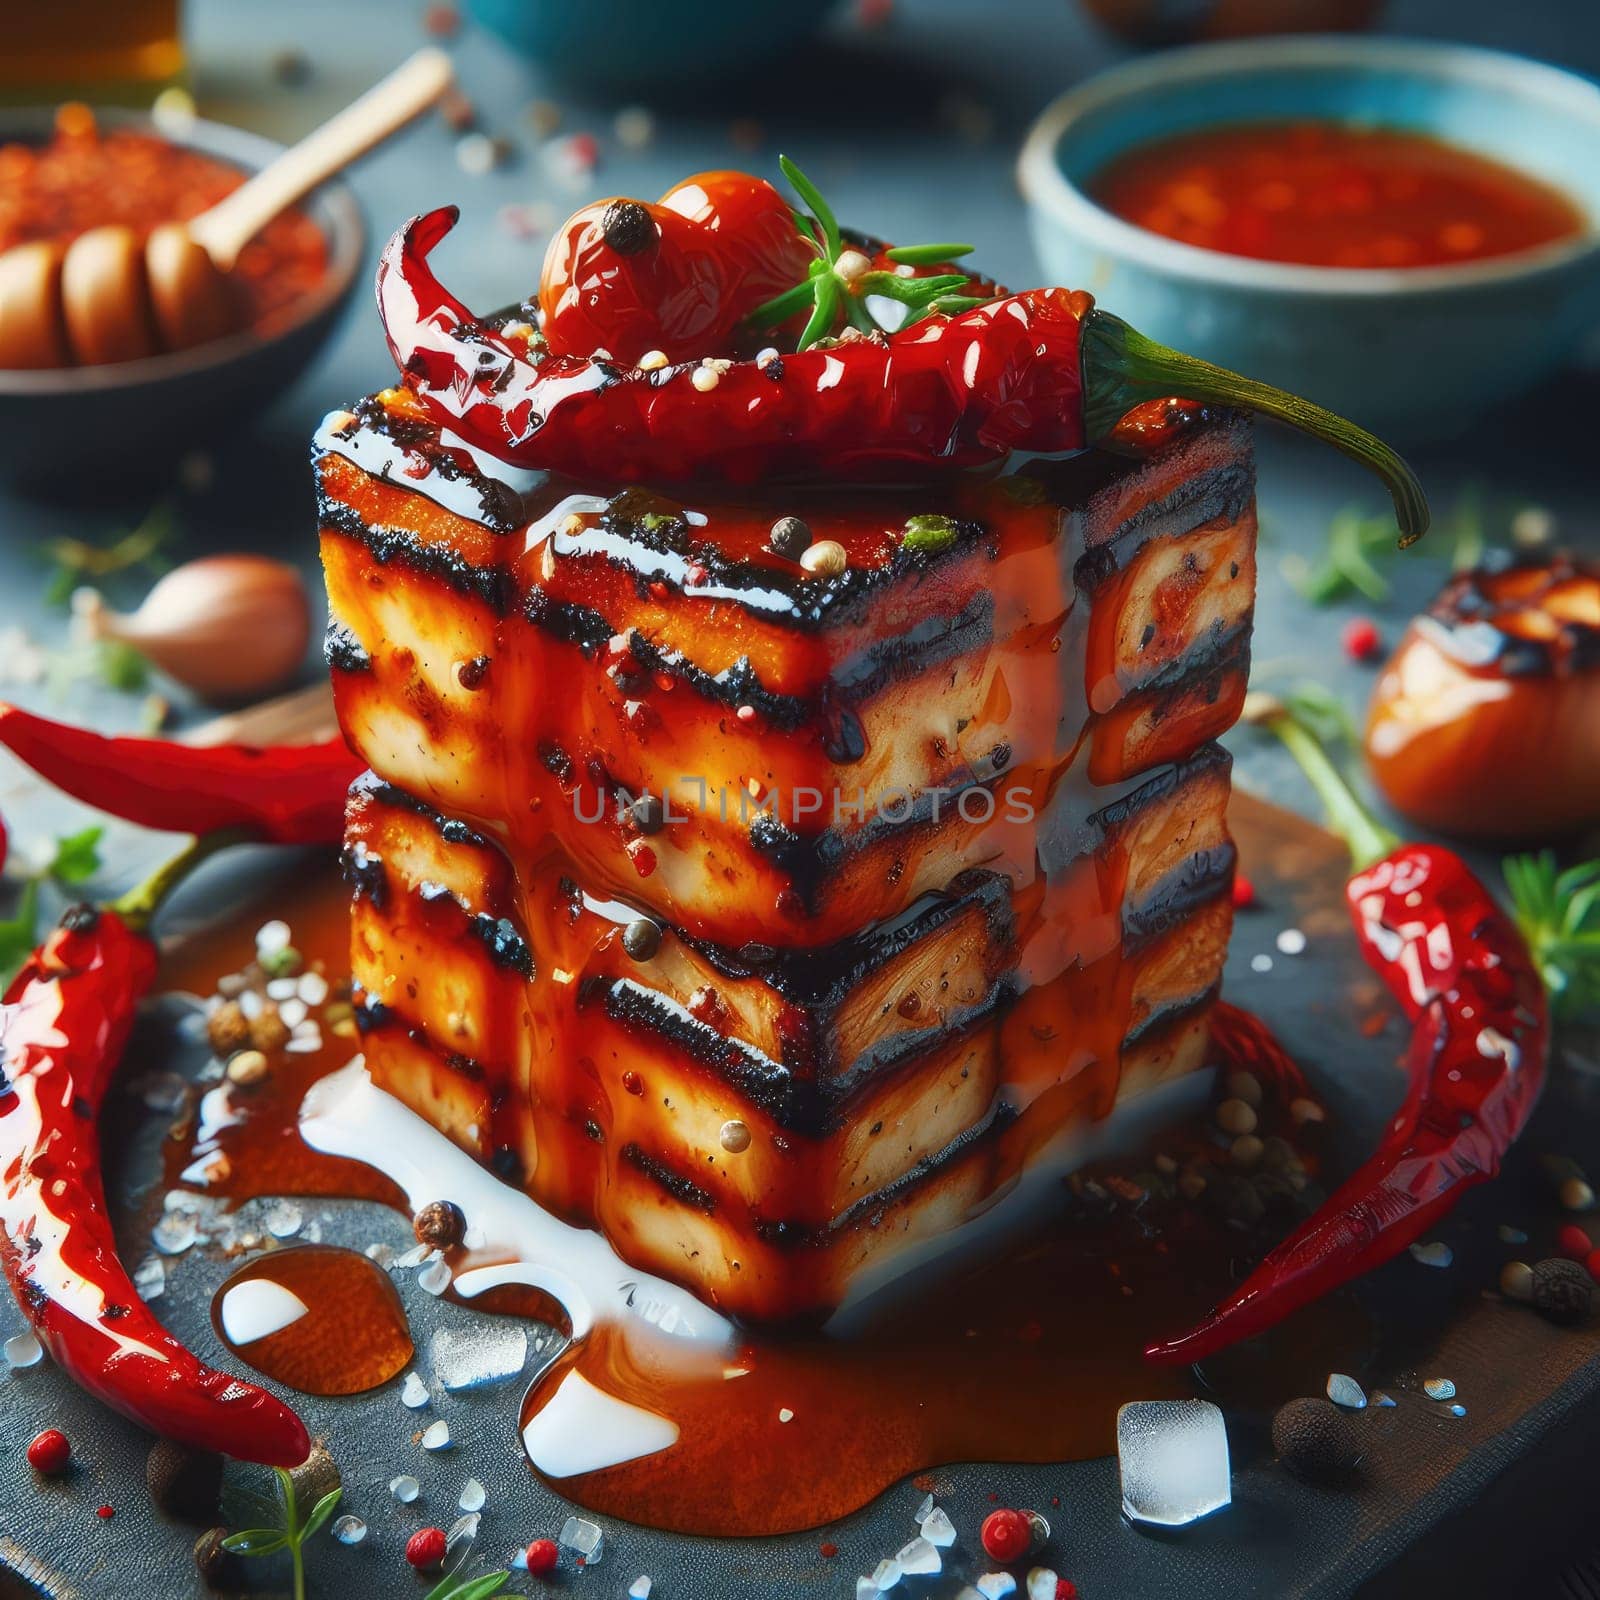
(1445, 1504)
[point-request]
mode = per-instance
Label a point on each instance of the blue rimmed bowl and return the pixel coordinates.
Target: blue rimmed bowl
(1415, 353)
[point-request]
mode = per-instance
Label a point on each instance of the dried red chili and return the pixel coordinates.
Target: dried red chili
(284, 794)
(1041, 371)
(63, 1024)
(1464, 979)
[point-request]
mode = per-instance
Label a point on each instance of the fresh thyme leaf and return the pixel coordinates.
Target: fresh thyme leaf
(320, 1512)
(820, 208)
(77, 856)
(19, 934)
(1559, 915)
(479, 1588)
(120, 666)
(837, 300)
(927, 255)
(77, 561)
(256, 1542)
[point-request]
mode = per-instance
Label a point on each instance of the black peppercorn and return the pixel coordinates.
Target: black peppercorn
(649, 815)
(641, 939)
(1316, 1440)
(790, 538)
(183, 1483)
(628, 228)
(219, 1568)
(1562, 1290)
(439, 1224)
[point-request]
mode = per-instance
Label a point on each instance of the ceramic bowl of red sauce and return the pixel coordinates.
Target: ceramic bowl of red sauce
(1404, 231)
(87, 425)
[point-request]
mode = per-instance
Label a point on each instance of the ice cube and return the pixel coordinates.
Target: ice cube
(938, 1529)
(413, 1392)
(150, 1278)
(639, 1589)
(405, 1489)
(1439, 1388)
(436, 1436)
(918, 1558)
(435, 1276)
(923, 1511)
(886, 1574)
(462, 1530)
(866, 1589)
(1042, 1581)
(492, 1351)
(174, 1233)
(23, 1350)
(1345, 1391)
(1173, 1458)
(414, 1257)
(584, 1539)
(473, 1495)
(996, 1585)
(1435, 1253)
(283, 1219)
(349, 1529)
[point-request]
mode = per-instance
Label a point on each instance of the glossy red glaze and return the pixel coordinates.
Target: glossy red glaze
(1463, 977)
(952, 391)
(62, 1028)
(724, 243)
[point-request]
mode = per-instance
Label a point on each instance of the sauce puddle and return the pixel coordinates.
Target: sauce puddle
(316, 1317)
(1022, 1352)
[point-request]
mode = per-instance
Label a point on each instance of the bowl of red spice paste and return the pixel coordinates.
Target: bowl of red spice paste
(1404, 231)
(65, 171)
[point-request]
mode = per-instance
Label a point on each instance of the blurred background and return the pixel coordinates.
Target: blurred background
(909, 114)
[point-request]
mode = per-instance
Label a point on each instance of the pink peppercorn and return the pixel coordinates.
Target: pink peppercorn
(1361, 639)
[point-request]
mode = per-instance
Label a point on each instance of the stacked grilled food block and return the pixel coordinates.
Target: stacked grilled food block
(774, 921)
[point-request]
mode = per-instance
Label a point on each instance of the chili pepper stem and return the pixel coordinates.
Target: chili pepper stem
(1122, 369)
(139, 905)
(1368, 839)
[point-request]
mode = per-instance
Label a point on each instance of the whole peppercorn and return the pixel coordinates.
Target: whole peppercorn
(649, 814)
(268, 1031)
(1006, 1535)
(184, 1483)
(219, 1568)
(49, 1453)
(1516, 1281)
(440, 1224)
(425, 1548)
(641, 939)
(228, 1028)
(1236, 1117)
(790, 538)
(542, 1557)
(825, 559)
(629, 229)
(1316, 1441)
(1563, 1291)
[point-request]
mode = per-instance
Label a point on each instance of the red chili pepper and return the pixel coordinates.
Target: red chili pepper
(63, 1024)
(285, 794)
(1038, 371)
(1463, 976)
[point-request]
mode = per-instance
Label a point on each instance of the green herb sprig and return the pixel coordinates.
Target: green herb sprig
(838, 297)
(1559, 915)
(290, 1535)
(76, 861)
(455, 1587)
(76, 561)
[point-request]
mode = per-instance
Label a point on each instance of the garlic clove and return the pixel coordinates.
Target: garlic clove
(228, 627)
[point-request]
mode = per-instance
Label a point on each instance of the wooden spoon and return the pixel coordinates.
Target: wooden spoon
(108, 298)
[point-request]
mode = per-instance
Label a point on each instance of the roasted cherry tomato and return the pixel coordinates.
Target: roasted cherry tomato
(1486, 721)
(676, 277)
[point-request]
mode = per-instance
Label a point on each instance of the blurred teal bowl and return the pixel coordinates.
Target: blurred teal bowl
(637, 43)
(1416, 354)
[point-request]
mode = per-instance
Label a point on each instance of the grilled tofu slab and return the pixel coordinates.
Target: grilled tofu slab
(926, 863)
